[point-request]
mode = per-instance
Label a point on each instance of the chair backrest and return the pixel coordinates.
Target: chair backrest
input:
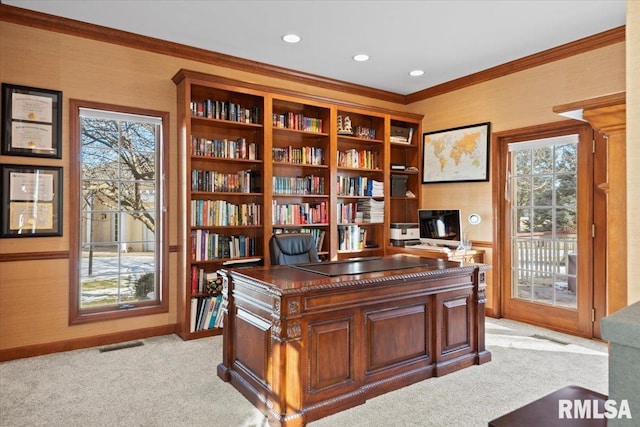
(292, 248)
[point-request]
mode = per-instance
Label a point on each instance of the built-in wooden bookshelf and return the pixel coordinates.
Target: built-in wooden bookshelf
(279, 161)
(300, 174)
(405, 156)
(361, 189)
(222, 201)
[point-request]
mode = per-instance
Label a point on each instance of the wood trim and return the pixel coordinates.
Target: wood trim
(72, 27)
(38, 256)
(482, 244)
(502, 258)
(611, 100)
(78, 343)
(196, 77)
(76, 315)
(597, 41)
(608, 115)
(34, 256)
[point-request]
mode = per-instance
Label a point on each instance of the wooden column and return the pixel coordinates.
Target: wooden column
(607, 114)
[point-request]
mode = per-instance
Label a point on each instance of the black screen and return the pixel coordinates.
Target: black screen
(440, 226)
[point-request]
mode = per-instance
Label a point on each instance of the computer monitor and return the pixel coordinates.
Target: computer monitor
(440, 227)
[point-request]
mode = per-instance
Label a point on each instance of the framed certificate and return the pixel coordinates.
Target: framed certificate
(31, 201)
(31, 121)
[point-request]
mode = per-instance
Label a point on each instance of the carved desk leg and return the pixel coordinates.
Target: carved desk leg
(227, 324)
(479, 277)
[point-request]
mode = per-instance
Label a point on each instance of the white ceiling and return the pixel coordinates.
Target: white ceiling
(447, 39)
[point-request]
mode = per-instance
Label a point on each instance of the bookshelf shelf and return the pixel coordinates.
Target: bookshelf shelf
(205, 159)
(303, 133)
(359, 141)
(227, 124)
(404, 209)
(279, 136)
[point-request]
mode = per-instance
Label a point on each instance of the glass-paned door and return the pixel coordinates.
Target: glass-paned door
(546, 236)
(544, 219)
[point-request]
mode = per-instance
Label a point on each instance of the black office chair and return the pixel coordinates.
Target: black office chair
(293, 248)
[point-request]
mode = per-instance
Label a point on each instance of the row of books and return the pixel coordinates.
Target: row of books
(347, 212)
(359, 186)
(364, 132)
(317, 233)
(209, 213)
(299, 213)
(310, 184)
(206, 245)
(225, 110)
(207, 313)
(244, 181)
(359, 159)
(299, 156)
(224, 148)
(351, 238)
(297, 121)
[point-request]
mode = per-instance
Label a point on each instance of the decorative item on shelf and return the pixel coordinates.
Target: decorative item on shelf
(347, 125)
(344, 126)
(398, 185)
(214, 283)
(401, 135)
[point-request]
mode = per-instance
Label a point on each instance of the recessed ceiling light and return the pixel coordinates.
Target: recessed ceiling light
(416, 73)
(291, 38)
(361, 57)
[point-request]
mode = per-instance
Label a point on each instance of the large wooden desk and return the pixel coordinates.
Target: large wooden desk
(302, 345)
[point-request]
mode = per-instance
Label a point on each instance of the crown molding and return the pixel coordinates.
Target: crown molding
(597, 41)
(72, 27)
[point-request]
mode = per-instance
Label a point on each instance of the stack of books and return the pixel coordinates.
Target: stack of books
(375, 188)
(372, 210)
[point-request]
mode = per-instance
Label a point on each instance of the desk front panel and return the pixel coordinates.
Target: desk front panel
(310, 354)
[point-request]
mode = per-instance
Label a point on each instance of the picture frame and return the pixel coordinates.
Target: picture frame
(31, 121)
(459, 154)
(31, 201)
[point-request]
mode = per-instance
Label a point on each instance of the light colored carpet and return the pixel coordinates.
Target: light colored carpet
(170, 382)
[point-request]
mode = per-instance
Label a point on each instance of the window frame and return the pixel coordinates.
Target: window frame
(80, 316)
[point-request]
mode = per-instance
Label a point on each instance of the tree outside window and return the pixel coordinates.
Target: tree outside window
(120, 212)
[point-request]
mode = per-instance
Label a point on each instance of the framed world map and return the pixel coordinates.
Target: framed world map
(456, 155)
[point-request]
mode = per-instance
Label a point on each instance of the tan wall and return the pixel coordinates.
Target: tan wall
(518, 100)
(633, 149)
(34, 294)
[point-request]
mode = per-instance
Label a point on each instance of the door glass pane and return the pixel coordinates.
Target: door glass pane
(544, 227)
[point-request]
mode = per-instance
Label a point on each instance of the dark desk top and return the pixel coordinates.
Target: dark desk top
(365, 265)
(338, 274)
